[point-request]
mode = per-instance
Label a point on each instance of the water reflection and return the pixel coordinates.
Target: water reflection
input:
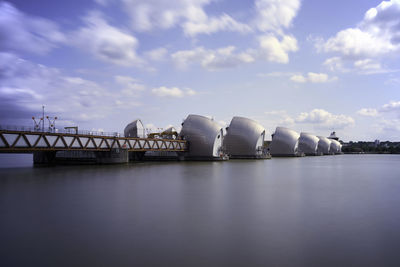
(314, 211)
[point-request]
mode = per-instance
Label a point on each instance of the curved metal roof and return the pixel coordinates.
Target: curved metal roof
(284, 142)
(135, 129)
(308, 143)
(324, 145)
(203, 135)
(336, 147)
(245, 137)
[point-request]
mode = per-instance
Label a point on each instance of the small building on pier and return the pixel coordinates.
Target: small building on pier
(135, 129)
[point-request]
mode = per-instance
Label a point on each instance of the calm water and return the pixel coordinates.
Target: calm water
(314, 211)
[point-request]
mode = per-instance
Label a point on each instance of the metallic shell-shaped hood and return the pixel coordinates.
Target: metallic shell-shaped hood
(308, 143)
(336, 147)
(204, 136)
(324, 145)
(245, 137)
(284, 142)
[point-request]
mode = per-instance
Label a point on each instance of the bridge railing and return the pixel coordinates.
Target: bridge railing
(30, 129)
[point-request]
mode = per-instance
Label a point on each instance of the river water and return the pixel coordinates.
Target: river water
(314, 211)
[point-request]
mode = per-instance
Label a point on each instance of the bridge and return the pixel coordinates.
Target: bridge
(27, 140)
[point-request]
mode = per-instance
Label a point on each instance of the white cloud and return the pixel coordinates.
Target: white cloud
(279, 117)
(20, 93)
(272, 18)
(393, 81)
(298, 78)
(274, 50)
(277, 74)
(335, 64)
(317, 77)
(273, 15)
(271, 49)
(25, 86)
(312, 77)
(377, 36)
(157, 54)
(269, 16)
(172, 92)
(106, 42)
(213, 25)
(130, 86)
(212, 59)
(23, 33)
(365, 66)
(356, 43)
(390, 126)
(384, 119)
(391, 106)
(325, 119)
(183, 58)
(368, 112)
(147, 15)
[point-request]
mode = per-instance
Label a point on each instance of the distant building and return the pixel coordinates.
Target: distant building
(377, 142)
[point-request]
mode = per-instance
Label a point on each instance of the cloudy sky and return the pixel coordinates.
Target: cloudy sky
(310, 65)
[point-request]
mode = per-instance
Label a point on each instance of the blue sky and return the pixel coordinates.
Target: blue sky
(313, 66)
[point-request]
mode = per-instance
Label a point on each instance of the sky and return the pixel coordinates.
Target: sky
(309, 65)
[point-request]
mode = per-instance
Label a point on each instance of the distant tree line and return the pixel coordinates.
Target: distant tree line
(372, 147)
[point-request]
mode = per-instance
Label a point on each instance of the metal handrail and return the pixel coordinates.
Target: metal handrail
(57, 130)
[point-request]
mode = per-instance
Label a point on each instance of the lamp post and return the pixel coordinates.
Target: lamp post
(52, 123)
(42, 118)
(36, 124)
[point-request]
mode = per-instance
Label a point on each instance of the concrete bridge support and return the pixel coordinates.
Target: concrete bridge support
(136, 156)
(114, 156)
(44, 157)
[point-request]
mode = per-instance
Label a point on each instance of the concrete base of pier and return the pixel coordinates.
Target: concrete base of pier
(44, 157)
(81, 157)
(114, 156)
(161, 156)
(136, 156)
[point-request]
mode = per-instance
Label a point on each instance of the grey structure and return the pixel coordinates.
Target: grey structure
(169, 133)
(284, 143)
(204, 138)
(324, 145)
(308, 144)
(135, 129)
(336, 147)
(245, 139)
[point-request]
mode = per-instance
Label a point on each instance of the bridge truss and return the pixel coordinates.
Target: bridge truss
(26, 142)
